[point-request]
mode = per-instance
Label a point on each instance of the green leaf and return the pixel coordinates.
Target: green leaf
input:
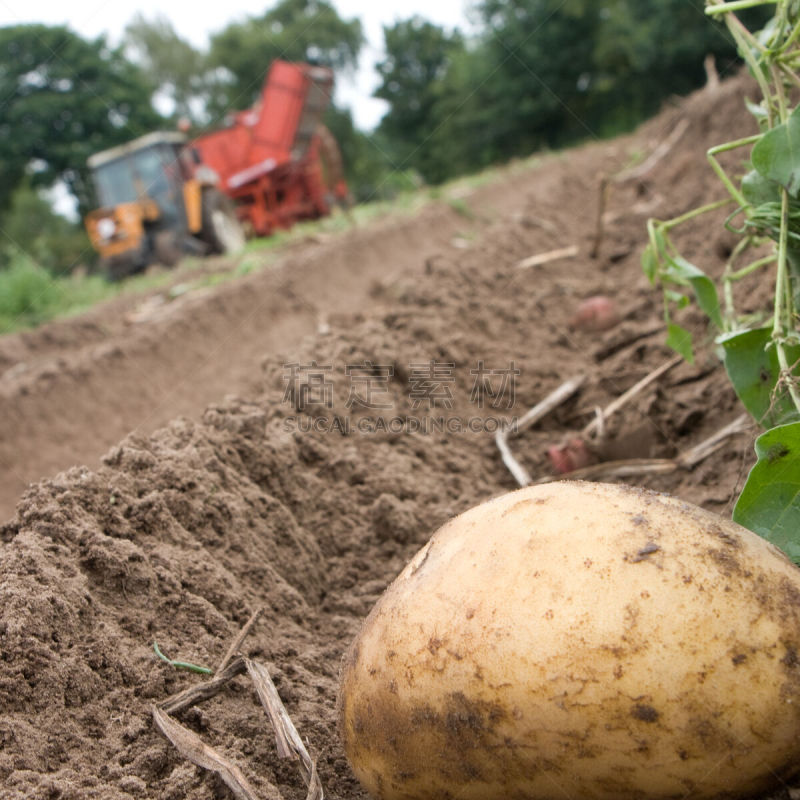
(680, 340)
(649, 263)
(756, 109)
(758, 190)
(659, 243)
(704, 289)
(770, 501)
(753, 370)
(680, 300)
(777, 154)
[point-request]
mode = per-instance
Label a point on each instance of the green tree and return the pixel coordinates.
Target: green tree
(464, 119)
(418, 55)
(538, 53)
(29, 227)
(295, 30)
(368, 168)
(546, 73)
(64, 98)
(171, 64)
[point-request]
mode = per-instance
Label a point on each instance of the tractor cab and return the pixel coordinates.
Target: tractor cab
(142, 217)
(158, 202)
(146, 168)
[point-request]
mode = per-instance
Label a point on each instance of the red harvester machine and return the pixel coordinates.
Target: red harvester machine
(276, 161)
(274, 165)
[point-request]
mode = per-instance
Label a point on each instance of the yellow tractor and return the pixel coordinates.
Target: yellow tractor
(158, 202)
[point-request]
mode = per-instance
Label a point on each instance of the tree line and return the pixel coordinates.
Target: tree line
(533, 74)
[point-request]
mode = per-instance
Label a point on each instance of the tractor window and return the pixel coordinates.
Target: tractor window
(114, 182)
(152, 172)
(159, 172)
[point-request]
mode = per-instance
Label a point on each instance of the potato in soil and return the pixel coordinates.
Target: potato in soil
(580, 640)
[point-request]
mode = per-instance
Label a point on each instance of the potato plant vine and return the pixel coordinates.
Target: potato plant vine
(761, 357)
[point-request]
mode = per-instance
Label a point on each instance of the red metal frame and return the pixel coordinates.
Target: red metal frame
(269, 159)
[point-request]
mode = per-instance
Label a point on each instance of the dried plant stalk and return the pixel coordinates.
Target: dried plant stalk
(626, 397)
(629, 468)
(708, 446)
(636, 467)
(287, 739)
(545, 258)
(237, 642)
(193, 748)
(531, 417)
(203, 691)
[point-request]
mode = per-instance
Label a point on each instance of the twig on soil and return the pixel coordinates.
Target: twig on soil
(237, 642)
(701, 451)
(521, 475)
(531, 417)
(287, 739)
(634, 173)
(661, 151)
(227, 670)
(190, 746)
(712, 76)
(550, 403)
(615, 469)
(612, 469)
(203, 691)
(603, 191)
(636, 467)
(608, 349)
(626, 397)
(545, 258)
(193, 748)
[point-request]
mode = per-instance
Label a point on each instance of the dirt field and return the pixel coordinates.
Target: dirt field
(192, 523)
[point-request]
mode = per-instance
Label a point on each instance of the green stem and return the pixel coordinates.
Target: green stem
(745, 271)
(727, 282)
(789, 74)
(779, 93)
(736, 5)
(746, 42)
(720, 172)
(779, 323)
(791, 38)
(696, 212)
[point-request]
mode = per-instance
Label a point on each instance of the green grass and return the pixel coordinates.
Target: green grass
(29, 295)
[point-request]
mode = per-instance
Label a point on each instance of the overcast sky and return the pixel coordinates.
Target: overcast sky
(195, 22)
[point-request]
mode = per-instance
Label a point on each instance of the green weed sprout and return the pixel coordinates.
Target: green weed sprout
(181, 664)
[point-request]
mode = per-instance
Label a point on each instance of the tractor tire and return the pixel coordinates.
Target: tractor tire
(221, 227)
(166, 248)
(123, 265)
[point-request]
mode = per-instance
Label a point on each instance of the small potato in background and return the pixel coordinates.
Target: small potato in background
(598, 313)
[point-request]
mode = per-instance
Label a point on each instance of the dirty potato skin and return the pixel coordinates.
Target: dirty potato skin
(580, 640)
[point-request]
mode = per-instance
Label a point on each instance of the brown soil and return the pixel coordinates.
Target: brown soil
(182, 532)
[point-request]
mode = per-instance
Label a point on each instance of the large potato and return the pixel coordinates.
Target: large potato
(579, 640)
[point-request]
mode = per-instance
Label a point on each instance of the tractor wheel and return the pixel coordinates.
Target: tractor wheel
(167, 248)
(221, 227)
